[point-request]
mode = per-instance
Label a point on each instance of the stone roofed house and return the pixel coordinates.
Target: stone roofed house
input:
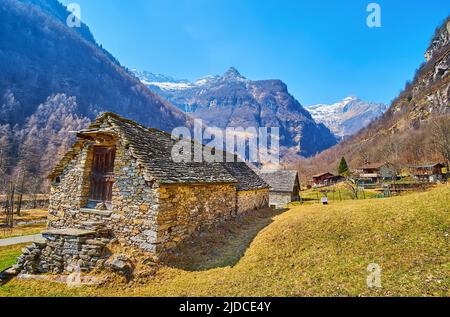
(119, 181)
(284, 186)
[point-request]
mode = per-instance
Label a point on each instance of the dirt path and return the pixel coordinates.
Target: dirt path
(19, 240)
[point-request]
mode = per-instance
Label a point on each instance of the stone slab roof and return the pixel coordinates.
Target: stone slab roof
(280, 180)
(247, 178)
(153, 150)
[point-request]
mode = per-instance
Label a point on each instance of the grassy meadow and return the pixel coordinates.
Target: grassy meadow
(337, 193)
(309, 250)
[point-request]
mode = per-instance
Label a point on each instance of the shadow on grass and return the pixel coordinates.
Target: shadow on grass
(223, 245)
(5, 278)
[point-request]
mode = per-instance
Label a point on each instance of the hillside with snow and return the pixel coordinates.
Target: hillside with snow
(349, 116)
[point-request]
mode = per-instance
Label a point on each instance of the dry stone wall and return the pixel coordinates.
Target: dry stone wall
(134, 203)
(252, 200)
(66, 191)
(67, 250)
(185, 210)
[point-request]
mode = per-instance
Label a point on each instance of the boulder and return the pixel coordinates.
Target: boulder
(121, 264)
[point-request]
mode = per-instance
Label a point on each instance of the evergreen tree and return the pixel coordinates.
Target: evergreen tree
(343, 168)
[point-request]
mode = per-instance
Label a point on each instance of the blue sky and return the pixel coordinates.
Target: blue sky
(323, 50)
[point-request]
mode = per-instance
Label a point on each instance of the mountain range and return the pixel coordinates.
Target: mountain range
(347, 117)
(232, 100)
(343, 118)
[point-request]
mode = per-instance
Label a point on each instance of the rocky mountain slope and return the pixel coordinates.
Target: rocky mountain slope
(41, 56)
(348, 116)
(232, 100)
(47, 65)
(415, 129)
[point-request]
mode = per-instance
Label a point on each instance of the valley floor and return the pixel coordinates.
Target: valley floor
(309, 250)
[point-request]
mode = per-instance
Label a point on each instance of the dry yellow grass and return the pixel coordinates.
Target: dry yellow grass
(31, 215)
(307, 251)
(22, 230)
(39, 215)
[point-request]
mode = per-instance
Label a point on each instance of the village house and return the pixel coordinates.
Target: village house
(376, 172)
(284, 187)
(119, 181)
(428, 173)
(326, 179)
(321, 179)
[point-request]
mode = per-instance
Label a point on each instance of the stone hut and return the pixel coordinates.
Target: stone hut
(119, 181)
(284, 187)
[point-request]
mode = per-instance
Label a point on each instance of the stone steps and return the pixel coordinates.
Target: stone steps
(66, 250)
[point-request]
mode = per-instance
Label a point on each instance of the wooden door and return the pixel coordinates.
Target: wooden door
(102, 174)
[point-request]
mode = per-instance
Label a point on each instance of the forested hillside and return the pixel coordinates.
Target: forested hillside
(54, 80)
(415, 129)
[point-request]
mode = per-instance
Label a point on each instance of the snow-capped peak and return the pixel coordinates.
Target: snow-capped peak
(165, 82)
(158, 78)
(232, 74)
(162, 81)
(347, 116)
(350, 99)
(206, 80)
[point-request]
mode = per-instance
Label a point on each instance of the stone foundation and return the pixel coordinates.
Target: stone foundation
(64, 251)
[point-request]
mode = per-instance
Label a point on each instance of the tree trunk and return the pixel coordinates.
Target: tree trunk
(9, 207)
(34, 201)
(19, 205)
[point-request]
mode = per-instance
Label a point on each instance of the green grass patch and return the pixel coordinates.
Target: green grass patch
(8, 255)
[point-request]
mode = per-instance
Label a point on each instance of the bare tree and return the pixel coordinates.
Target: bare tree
(5, 154)
(352, 186)
(441, 137)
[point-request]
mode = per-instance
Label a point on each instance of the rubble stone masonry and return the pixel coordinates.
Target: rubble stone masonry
(250, 200)
(185, 210)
